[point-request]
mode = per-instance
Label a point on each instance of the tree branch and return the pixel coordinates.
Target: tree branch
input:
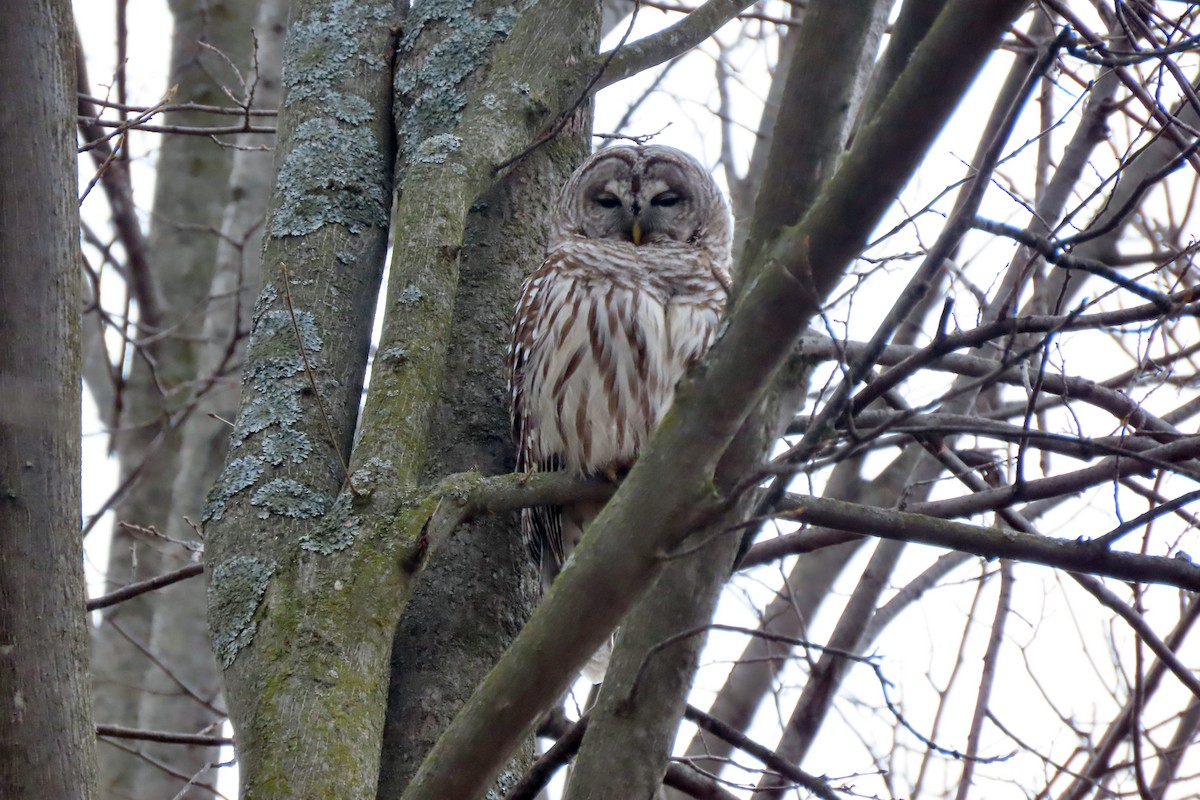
(764, 754)
(667, 43)
(166, 737)
(1080, 555)
(1142, 628)
(141, 587)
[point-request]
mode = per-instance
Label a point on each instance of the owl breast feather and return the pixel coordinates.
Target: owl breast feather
(614, 341)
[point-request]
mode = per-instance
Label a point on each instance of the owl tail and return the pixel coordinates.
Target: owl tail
(573, 520)
(576, 518)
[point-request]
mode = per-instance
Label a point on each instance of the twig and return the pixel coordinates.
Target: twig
(312, 380)
(991, 662)
(170, 673)
(716, 727)
(135, 589)
(1164, 507)
(1108, 598)
(174, 773)
(1074, 556)
(695, 782)
(1054, 254)
(181, 130)
(166, 737)
(199, 107)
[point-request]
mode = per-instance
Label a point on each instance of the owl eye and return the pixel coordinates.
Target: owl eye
(607, 200)
(665, 199)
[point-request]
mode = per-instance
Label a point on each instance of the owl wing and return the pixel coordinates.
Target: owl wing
(541, 526)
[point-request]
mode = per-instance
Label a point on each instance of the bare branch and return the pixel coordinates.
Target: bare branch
(166, 737)
(785, 768)
(1136, 621)
(135, 589)
(1076, 556)
(668, 43)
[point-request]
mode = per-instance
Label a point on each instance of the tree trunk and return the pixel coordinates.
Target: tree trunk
(46, 737)
(300, 626)
(290, 559)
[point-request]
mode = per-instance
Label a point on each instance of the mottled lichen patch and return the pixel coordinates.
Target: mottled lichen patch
(239, 474)
(333, 174)
(276, 375)
(373, 470)
(235, 590)
(336, 531)
(436, 149)
(285, 497)
(276, 404)
(431, 86)
(323, 51)
(330, 176)
(409, 295)
(288, 323)
(273, 368)
(291, 446)
(266, 299)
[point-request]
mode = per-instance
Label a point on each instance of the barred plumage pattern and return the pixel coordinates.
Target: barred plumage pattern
(629, 296)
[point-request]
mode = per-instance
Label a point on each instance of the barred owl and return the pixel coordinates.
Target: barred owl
(628, 297)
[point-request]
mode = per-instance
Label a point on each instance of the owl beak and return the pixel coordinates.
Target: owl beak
(635, 233)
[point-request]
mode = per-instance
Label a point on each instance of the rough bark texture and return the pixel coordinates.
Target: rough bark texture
(295, 618)
(304, 584)
(189, 200)
(47, 745)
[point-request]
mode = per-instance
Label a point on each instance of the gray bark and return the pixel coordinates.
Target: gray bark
(47, 744)
(302, 678)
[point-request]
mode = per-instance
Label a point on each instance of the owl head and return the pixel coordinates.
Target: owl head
(647, 196)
